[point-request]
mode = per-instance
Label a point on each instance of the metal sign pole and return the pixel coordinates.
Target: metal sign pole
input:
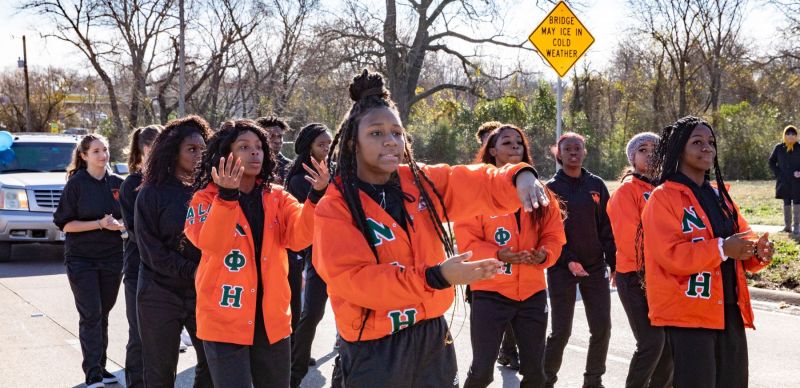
(559, 97)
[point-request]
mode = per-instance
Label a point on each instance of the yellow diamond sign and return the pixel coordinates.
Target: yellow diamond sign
(561, 38)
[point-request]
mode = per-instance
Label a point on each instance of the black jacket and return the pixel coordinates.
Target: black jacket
(281, 167)
(590, 240)
(87, 199)
(783, 165)
(168, 258)
(127, 200)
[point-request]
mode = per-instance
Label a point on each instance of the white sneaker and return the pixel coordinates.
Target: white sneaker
(186, 340)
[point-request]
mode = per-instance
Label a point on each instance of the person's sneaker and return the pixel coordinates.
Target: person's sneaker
(109, 378)
(182, 347)
(312, 361)
(508, 361)
(95, 382)
(185, 338)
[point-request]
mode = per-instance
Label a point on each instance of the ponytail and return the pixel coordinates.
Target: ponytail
(140, 138)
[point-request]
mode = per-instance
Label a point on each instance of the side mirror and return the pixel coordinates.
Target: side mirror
(120, 168)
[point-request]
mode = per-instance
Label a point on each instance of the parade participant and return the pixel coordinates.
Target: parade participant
(243, 224)
(697, 248)
(383, 246)
(89, 213)
(508, 356)
(166, 297)
(651, 363)
(527, 243)
(313, 141)
(585, 261)
(785, 165)
(141, 141)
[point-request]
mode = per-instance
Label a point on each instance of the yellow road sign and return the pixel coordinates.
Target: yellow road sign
(561, 38)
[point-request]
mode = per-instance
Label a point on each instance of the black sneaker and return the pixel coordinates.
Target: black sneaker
(95, 382)
(109, 378)
(508, 361)
(312, 361)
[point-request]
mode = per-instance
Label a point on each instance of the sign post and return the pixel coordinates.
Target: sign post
(561, 39)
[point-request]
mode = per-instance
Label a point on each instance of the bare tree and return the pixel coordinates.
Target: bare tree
(79, 23)
(674, 26)
(411, 30)
(721, 22)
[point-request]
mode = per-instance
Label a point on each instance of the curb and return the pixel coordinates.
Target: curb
(775, 296)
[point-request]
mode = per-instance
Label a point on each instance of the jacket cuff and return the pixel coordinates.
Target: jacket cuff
(721, 241)
(435, 279)
(526, 168)
(315, 195)
(229, 194)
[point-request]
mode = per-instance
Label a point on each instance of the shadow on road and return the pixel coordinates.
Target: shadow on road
(48, 260)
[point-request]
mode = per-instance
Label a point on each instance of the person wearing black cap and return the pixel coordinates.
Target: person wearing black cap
(313, 141)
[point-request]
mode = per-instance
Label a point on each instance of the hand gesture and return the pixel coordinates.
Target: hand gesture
(530, 191)
(738, 246)
(229, 174)
(764, 249)
(319, 176)
(539, 256)
(110, 223)
(507, 255)
(577, 269)
(457, 270)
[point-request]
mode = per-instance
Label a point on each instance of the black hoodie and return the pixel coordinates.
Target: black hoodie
(88, 199)
(590, 240)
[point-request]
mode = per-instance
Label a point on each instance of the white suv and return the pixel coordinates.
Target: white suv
(32, 176)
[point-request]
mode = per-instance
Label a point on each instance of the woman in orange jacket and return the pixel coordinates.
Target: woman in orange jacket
(243, 225)
(651, 363)
(526, 243)
(697, 247)
(382, 242)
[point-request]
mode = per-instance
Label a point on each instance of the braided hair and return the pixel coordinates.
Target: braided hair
(160, 165)
(302, 147)
(665, 163)
(368, 92)
(219, 146)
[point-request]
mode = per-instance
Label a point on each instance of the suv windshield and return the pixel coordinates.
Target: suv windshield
(36, 157)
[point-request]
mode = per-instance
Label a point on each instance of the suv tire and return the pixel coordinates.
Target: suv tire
(5, 251)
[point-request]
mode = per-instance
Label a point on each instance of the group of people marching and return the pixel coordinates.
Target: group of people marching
(213, 230)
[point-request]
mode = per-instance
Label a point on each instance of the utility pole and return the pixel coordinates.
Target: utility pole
(27, 87)
(182, 64)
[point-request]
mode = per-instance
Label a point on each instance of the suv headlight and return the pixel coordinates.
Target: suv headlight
(13, 199)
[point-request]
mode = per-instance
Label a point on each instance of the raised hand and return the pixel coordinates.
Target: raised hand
(457, 270)
(319, 176)
(530, 191)
(229, 174)
(539, 256)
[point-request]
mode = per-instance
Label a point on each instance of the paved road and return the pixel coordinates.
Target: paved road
(39, 345)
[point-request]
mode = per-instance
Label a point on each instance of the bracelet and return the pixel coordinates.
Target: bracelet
(100, 225)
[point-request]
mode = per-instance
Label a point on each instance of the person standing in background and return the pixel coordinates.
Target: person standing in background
(785, 165)
(141, 141)
(89, 213)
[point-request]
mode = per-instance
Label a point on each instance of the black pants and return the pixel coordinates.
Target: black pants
(706, 358)
(95, 286)
(491, 314)
(134, 368)
(296, 264)
(596, 297)
(163, 313)
(260, 365)
(651, 364)
(420, 356)
(314, 300)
